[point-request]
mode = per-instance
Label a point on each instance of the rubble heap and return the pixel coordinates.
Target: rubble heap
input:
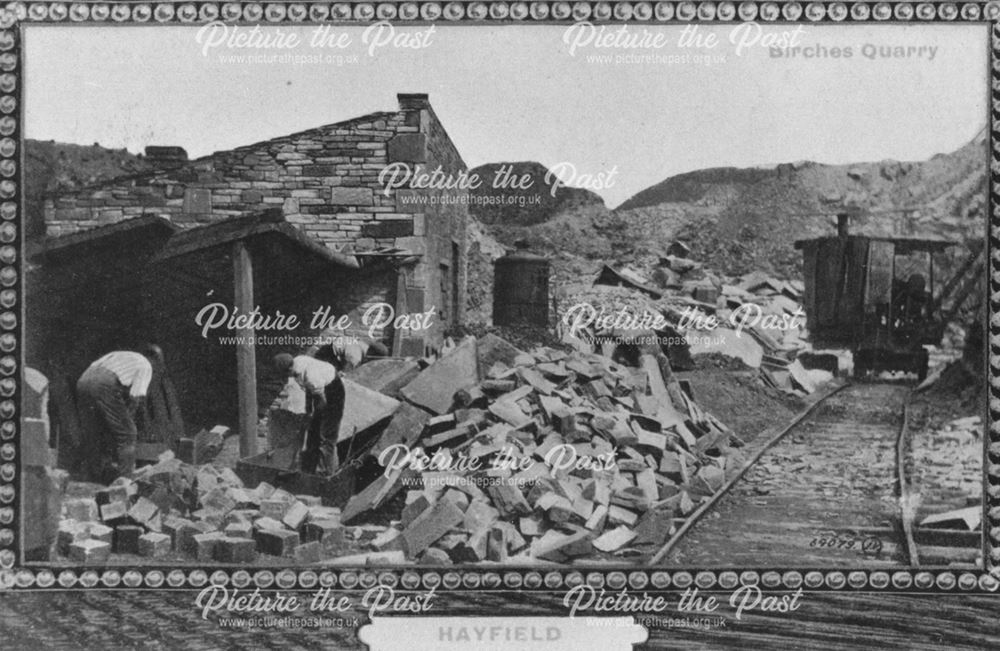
(548, 456)
(755, 318)
(173, 509)
(505, 456)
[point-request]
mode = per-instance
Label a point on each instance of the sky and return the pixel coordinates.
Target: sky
(585, 99)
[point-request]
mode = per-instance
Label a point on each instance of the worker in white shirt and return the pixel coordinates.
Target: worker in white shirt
(325, 404)
(108, 394)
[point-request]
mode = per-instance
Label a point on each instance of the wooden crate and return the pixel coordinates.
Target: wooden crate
(273, 467)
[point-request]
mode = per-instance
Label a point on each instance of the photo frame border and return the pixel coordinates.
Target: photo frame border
(15, 16)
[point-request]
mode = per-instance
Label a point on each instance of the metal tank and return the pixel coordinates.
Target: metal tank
(521, 289)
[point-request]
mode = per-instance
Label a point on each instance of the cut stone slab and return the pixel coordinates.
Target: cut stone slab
(597, 519)
(276, 542)
(430, 525)
(172, 525)
(389, 539)
(114, 512)
(70, 532)
(126, 539)
(366, 408)
(308, 553)
(236, 550)
(614, 539)
(324, 513)
(117, 493)
(35, 398)
(81, 509)
(267, 523)
(413, 510)
(377, 492)
(329, 533)
(154, 545)
(205, 544)
(435, 556)
(435, 387)
(456, 497)
(509, 500)
(242, 516)
(479, 514)
(184, 538)
(264, 490)
(496, 545)
(100, 532)
(726, 341)
(967, 518)
(310, 501)
(492, 349)
(557, 507)
(654, 527)
(296, 515)
(219, 499)
(619, 515)
(239, 530)
(90, 552)
(387, 376)
(274, 508)
(143, 511)
(508, 411)
(556, 546)
(536, 380)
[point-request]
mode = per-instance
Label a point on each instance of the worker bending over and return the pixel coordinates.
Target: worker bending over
(325, 405)
(108, 394)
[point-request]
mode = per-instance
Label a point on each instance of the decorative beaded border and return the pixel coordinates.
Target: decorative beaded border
(15, 14)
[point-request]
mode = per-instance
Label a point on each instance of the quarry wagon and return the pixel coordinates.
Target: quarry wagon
(876, 297)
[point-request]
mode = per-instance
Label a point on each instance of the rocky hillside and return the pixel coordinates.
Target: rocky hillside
(706, 186)
(741, 220)
(52, 167)
(744, 219)
(539, 198)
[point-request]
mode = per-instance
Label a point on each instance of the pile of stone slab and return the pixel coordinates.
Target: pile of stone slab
(492, 454)
(501, 455)
(755, 318)
(172, 510)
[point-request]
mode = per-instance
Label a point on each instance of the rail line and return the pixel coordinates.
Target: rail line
(828, 488)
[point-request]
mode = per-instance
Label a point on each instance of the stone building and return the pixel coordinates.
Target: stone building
(326, 182)
(287, 225)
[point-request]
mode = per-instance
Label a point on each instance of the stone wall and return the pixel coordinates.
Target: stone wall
(326, 181)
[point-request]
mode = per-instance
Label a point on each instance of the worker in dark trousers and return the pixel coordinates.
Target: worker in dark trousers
(108, 394)
(325, 405)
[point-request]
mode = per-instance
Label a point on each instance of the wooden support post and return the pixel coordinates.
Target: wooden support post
(401, 308)
(246, 355)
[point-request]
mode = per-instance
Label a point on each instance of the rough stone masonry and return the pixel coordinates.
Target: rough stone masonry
(325, 180)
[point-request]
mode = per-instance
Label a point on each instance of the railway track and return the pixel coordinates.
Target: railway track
(828, 489)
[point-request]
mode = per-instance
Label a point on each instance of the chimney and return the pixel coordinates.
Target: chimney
(843, 224)
(166, 158)
(413, 101)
